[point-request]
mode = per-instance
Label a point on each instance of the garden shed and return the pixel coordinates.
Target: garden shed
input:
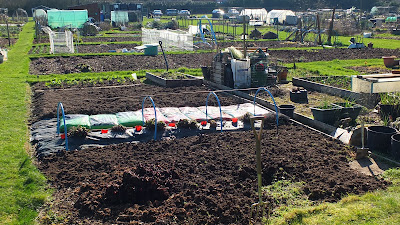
(255, 14)
(72, 18)
(281, 16)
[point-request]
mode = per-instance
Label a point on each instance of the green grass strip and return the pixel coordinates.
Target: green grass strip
(379, 207)
(22, 186)
(334, 67)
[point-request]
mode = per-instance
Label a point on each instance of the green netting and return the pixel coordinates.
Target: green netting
(74, 120)
(129, 119)
(119, 16)
(391, 19)
(103, 121)
(70, 18)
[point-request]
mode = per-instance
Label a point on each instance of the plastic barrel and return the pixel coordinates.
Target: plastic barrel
(396, 146)
(379, 138)
(287, 110)
(151, 50)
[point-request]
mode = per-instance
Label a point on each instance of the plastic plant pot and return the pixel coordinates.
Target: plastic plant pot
(287, 110)
(104, 131)
(389, 61)
(379, 138)
(172, 124)
(62, 136)
(138, 128)
(234, 120)
(395, 146)
(203, 123)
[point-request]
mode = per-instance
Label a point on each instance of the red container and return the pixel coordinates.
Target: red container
(62, 136)
(103, 131)
(234, 120)
(138, 128)
(171, 124)
(203, 123)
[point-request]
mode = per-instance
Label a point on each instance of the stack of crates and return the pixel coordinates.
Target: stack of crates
(259, 68)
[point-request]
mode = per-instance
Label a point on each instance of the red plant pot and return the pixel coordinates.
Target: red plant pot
(104, 131)
(172, 124)
(138, 128)
(203, 123)
(234, 120)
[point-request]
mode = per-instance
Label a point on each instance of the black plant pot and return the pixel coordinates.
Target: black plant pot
(395, 146)
(299, 96)
(328, 116)
(347, 112)
(287, 110)
(379, 138)
(389, 110)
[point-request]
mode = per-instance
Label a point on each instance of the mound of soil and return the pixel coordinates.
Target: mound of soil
(115, 99)
(204, 179)
(65, 65)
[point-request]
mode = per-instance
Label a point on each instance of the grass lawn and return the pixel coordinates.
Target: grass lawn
(22, 186)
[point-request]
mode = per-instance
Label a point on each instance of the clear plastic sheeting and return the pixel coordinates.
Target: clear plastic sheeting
(67, 18)
(172, 40)
(61, 42)
(119, 17)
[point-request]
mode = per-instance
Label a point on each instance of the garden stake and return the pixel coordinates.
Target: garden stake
(258, 207)
(363, 152)
(165, 58)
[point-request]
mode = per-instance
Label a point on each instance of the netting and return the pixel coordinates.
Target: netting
(172, 39)
(61, 42)
(70, 18)
(119, 17)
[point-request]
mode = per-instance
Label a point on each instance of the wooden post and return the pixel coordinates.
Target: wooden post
(331, 26)
(8, 32)
(319, 30)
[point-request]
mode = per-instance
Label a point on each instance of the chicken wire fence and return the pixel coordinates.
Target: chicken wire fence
(172, 40)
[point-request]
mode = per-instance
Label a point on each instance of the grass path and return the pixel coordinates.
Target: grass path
(22, 186)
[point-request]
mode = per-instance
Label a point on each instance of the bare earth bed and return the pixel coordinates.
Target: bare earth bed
(89, 100)
(197, 180)
(208, 178)
(65, 65)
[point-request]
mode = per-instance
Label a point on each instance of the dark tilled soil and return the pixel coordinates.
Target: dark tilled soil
(264, 44)
(118, 99)
(4, 42)
(205, 179)
(87, 48)
(96, 39)
(112, 39)
(64, 65)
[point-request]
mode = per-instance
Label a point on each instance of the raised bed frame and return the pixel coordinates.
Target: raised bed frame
(193, 81)
(365, 99)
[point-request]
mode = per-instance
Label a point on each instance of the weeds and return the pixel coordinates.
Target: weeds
(150, 124)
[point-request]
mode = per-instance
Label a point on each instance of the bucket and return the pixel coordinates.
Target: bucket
(379, 138)
(389, 61)
(396, 146)
(151, 50)
(287, 110)
(282, 75)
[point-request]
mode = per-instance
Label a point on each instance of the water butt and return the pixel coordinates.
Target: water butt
(396, 146)
(379, 138)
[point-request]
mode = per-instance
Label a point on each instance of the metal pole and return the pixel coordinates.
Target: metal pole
(8, 32)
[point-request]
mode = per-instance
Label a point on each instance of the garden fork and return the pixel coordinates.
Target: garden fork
(258, 208)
